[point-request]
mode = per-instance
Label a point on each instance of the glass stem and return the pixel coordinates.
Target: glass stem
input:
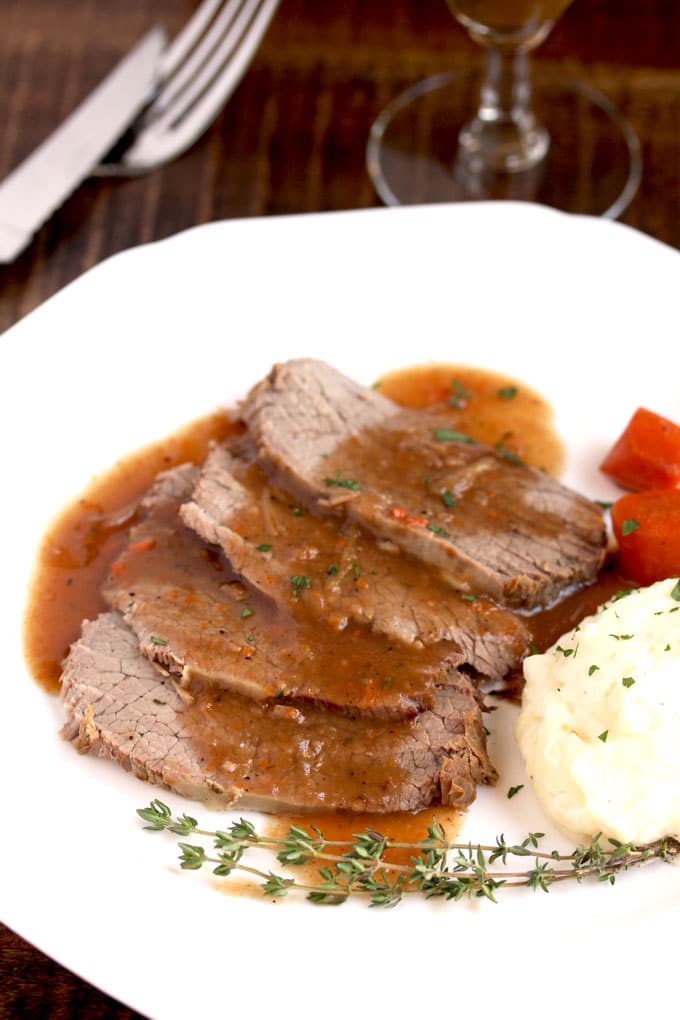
(504, 135)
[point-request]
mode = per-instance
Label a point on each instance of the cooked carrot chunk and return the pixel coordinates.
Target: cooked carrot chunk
(646, 455)
(647, 528)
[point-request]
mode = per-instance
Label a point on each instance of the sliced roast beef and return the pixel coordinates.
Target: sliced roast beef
(494, 525)
(192, 615)
(218, 746)
(352, 579)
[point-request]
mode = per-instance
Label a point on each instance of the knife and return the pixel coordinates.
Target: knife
(38, 186)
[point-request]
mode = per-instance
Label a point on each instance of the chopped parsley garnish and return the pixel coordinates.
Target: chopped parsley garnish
(629, 526)
(514, 790)
(627, 681)
(622, 637)
(448, 499)
(343, 483)
(265, 547)
(469, 598)
(437, 530)
(460, 395)
(451, 436)
(566, 652)
(603, 736)
(246, 612)
(675, 594)
(297, 511)
(592, 669)
(157, 640)
(332, 570)
(604, 504)
(507, 393)
(356, 570)
(511, 457)
(299, 581)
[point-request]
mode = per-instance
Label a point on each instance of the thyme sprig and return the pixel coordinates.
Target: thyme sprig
(437, 868)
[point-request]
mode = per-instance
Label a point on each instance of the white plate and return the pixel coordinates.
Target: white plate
(583, 310)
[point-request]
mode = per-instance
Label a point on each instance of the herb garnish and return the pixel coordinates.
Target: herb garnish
(461, 395)
(627, 681)
(469, 598)
(437, 530)
(592, 669)
(566, 652)
(246, 612)
(332, 570)
(438, 868)
(451, 436)
(343, 483)
(507, 392)
(298, 581)
(604, 504)
(514, 790)
(265, 547)
(603, 736)
(508, 455)
(675, 594)
(448, 499)
(629, 526)
(157, 640)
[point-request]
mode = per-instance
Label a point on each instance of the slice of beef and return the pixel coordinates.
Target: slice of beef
(352, 578)
(494, 525)
(192, 615)
(220, 747)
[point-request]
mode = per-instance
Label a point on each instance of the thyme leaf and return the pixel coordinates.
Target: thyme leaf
(361, 867)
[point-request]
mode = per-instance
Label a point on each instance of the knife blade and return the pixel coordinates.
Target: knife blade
(39, 185)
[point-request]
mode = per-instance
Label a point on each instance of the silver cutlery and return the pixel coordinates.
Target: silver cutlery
(152, 107)
(196, 76)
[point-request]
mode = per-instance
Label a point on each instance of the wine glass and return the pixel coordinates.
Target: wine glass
(452, 138)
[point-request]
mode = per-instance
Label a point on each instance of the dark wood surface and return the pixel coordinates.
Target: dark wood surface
(291, 140)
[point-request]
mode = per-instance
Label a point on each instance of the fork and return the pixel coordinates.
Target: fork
(197, 74)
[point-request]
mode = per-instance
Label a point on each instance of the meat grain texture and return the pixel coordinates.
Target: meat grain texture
(302, 624)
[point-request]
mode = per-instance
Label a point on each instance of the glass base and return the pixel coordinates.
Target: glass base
(592, 164)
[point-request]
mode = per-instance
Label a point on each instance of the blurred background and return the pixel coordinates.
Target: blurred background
(292, 138)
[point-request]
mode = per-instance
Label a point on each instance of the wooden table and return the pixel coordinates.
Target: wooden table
(291, 140)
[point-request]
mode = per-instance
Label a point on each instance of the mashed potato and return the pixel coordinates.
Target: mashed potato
(599, 728)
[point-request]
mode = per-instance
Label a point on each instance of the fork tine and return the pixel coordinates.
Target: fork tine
(199, 102)
(224, 30)
(182, 45)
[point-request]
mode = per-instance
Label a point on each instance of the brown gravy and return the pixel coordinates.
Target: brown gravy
(341, 827)
(90, 535)
(493, 409)
(86, 538)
